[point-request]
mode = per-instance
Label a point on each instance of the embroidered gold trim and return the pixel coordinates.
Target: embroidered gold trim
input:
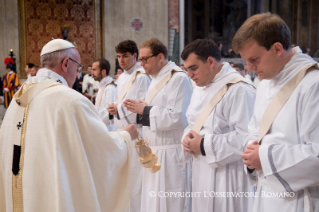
(17, 193)
(17, 179)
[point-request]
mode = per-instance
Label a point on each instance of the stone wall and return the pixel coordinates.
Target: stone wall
(9, 32)
(118, 16)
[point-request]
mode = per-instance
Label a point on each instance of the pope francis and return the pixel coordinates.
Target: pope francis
(56, 154)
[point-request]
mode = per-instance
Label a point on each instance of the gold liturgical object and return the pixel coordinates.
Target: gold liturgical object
(147, 157)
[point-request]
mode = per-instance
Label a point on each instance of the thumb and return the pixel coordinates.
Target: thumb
(254, 142)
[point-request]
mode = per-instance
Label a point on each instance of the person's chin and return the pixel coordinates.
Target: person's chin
(147, 72)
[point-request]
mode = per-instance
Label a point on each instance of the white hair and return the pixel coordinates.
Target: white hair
(51, 60)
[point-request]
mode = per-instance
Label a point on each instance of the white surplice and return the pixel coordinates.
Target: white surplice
(167, 122)
(224, 131)
(289, 153)
(108, 97)
(71, 161)
(136, 92)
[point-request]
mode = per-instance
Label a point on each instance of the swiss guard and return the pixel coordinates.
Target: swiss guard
(10, 82)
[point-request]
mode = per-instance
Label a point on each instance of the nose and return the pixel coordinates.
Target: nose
(190, 74)
(142, 63)
(120, 59)
(251, 67)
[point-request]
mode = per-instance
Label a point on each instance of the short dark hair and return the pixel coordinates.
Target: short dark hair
(30, 65)
(36, 67)
(239, 65)
(202, 48)
(266, 29)
(104, 64)
(118, 69)
(156, 46)
(127, 46)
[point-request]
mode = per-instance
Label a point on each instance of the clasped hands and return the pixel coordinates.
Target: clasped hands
(135, 106)
(251, 156)
(191, 142)
(131, 105)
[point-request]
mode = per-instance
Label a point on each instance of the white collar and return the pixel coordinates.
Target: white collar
(47, 73)
(132, 69)
(294, 66)
(104, 81)
(226, 73)
(167, 68)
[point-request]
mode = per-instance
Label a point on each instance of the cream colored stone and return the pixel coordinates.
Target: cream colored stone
(117, 18)
(9, 32)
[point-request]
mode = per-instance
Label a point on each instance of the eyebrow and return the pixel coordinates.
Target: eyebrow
(122, 55)
(192, 66)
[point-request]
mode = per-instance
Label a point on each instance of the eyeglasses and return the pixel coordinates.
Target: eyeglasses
(80, 67)
(145, 59)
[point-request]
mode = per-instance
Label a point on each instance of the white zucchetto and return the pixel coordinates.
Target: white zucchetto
(56, 45)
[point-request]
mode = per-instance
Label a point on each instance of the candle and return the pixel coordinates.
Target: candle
(11, 50)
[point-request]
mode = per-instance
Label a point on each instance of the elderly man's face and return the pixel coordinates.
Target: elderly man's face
(73, 68)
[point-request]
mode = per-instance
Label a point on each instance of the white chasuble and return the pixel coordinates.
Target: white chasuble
(224, 131)
(106, 96)
(71, 162)
(167, 122)
(136, 92)
(289, 153)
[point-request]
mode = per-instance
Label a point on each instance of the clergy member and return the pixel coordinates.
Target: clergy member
(283, 139)
(106, 93)
(132, 84)
(163, 116)
(217, 141)
(56, 153)
(28, 69)
(34, 70)
(241, 70)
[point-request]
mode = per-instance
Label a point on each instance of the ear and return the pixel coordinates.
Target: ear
(278, 48)
(135, 56)
(103, 72)
(65, 64)
(161, 57)
(211, 61)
